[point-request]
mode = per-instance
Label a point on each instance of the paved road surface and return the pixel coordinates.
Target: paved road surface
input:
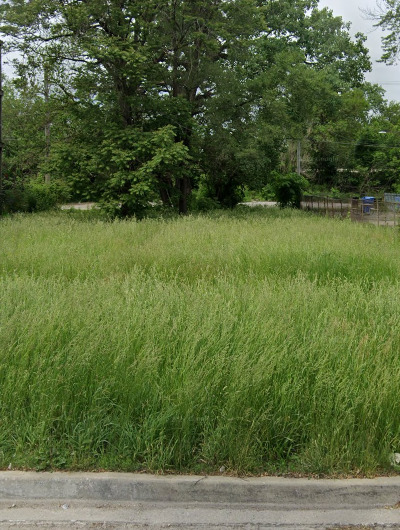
(193, 516)
(78, 206)
(116, 501)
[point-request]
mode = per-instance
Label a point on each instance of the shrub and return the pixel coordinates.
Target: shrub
(201, 201)
(289, 189)
(32, 196)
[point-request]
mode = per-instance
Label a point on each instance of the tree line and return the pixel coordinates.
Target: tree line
(189, 103)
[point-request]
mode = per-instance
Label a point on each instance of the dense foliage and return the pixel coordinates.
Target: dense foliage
(185, 102)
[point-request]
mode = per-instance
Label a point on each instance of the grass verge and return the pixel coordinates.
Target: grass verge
(262, 341)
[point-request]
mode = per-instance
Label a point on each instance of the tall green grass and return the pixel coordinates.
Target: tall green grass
(263, 341)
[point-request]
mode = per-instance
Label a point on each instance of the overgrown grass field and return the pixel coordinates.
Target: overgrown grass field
(262, 341)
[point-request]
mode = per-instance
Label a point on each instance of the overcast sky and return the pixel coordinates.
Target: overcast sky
(349, 10)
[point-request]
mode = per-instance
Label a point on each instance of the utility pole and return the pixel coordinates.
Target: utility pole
(298, 157)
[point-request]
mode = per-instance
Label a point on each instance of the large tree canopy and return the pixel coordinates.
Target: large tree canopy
(387, 16)
(154, 97)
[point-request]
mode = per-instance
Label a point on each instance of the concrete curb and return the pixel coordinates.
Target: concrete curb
(272, 491)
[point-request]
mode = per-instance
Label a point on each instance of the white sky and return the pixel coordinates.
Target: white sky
(349, 10)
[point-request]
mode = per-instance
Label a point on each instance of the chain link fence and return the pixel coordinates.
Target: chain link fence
(377, 211)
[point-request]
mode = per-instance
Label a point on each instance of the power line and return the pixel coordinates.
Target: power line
(378, 146)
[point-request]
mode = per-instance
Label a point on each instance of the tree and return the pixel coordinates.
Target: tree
(23, 131)
(319, 72)
(304, 61)
(133, 58)
(155, 97)
(380, 147)
(387, 16)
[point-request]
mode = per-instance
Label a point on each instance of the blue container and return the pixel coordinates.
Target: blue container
(368, 204)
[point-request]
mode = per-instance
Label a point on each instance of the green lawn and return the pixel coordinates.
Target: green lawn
(264, 341)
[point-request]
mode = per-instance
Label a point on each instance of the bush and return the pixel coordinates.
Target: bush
(289, 189)
(39, 197)
(268, 193)
(32, 196)
(13, 200)
(201, 201)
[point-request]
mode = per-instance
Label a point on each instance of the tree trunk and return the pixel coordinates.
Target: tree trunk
(184, 191)
(165, 187)
(48, 118)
